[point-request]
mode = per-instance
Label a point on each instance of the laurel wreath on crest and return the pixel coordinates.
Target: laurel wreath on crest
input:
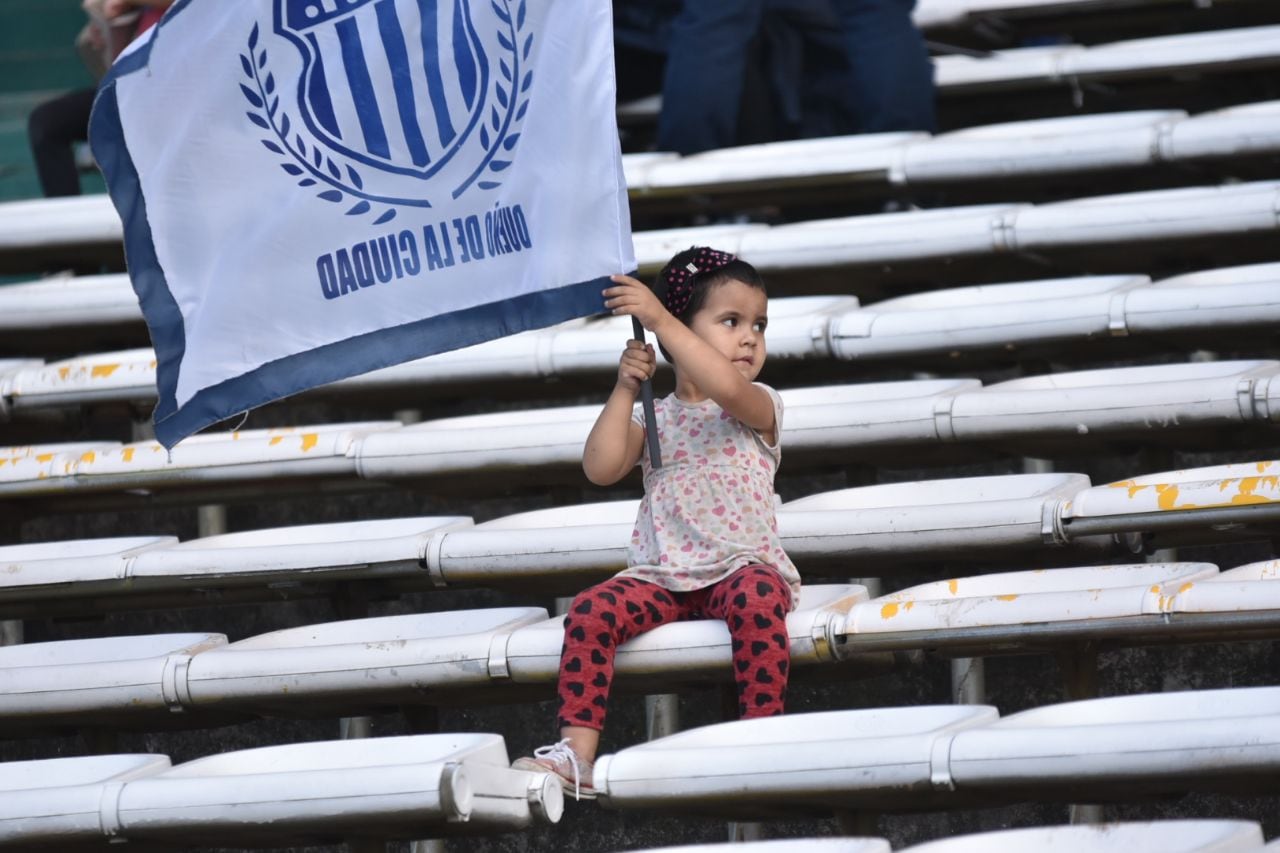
(514, 102)
(312, 167)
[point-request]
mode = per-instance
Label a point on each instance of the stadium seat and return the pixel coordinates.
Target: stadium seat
(383, 788)
(362, 665)
(110, 681)
(966, 517)
(290, 562)
(1217, 499)
(225, 460)
(1061, 410)
(777, 766)
(799, 845)
(692, 650)
(1034, 602)
(930, 757)
(1206, 304)
(1027, 67)
(56, 803)
(1165, 836)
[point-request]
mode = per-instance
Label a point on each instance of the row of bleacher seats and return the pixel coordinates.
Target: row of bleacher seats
(956, 756)
(930, 14)
(1036, 416)
(1245, 210)
(1022, 149)
(891, 759)
(1213, 306)
(1171, 836)
(985, 154)
(387, 788)
(499, 655)
(879, 529)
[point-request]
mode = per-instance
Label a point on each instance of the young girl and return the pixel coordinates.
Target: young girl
(705, 544)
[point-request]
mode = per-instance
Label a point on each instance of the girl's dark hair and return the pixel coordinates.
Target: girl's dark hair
(698, 284)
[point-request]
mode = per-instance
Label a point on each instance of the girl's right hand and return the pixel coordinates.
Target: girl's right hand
(638, 363)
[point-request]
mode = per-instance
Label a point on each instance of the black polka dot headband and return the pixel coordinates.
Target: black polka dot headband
(680, 279)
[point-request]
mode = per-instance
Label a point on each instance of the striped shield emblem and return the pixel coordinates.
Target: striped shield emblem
(394, 84)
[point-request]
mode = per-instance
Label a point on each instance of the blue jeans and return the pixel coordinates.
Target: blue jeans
(890, 84)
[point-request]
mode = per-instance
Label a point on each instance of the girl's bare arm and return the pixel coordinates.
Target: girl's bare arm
(614, 445)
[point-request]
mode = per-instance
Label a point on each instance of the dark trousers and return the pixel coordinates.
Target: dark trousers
(890, 85)
(53, 128)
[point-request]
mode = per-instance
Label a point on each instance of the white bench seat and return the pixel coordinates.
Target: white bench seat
(384, 788)
(775, 766)
(932, 757)
(360, 664)
(983, 317)
(786, 845)
(244, 458)
(393, 548)
(1212, 51)
(1162, 836)
(962, 516)
(1124, 746)
(969, 606)
(45, 572)
(686, 650)
(1154, 215)
(56, 803)
(1063, 409)
(102, 682)
(1218, 496)
(1212, 302)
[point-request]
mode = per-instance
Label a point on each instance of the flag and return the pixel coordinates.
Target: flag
(313, 189)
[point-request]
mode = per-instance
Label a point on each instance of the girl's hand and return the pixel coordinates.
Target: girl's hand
(638, 363)
(633, 297)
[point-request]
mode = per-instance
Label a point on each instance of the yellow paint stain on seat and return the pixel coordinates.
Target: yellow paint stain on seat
(1007, 597)
(45, 457)
(1249, 485)
(309, 441)
(127, 454)
(1168, 497)
(1155, 588)
(64, 372)
(102, 371)
(953, 585)
(889, 611)
(1186, 586)
(1133, 487)
(88, 456)
(275, 440)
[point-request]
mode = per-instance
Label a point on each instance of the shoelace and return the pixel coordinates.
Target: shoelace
(562, 752)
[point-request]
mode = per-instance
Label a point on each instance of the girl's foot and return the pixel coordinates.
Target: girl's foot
(559, 758)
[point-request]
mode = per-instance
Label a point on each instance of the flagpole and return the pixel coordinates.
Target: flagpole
(646, 399)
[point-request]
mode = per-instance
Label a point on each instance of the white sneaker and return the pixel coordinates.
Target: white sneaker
(559, 758)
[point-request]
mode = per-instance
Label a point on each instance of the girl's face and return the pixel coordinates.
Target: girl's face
(732, 320)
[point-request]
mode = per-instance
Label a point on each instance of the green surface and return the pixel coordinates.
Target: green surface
(38, 60)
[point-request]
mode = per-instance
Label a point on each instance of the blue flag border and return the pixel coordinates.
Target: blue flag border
(301, 371)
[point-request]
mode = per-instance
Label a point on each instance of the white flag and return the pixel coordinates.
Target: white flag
(313, 189)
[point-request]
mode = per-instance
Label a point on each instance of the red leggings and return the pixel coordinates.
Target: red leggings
(753, 601)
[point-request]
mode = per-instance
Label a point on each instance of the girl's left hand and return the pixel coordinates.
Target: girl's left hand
(630, 296)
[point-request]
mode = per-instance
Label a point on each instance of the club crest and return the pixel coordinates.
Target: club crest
(389, 103)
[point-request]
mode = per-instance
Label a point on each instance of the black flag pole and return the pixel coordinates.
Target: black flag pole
(646, 399)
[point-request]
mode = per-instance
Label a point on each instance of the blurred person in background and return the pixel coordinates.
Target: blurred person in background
(55, 126)
(887, 82)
